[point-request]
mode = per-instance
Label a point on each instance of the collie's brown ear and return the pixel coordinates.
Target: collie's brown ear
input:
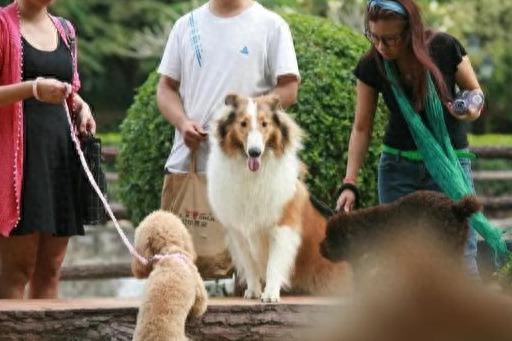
(274, 102)
(223, 124)
(281, 122)
(231, 99)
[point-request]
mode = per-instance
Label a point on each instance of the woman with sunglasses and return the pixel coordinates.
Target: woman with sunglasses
(400, 42)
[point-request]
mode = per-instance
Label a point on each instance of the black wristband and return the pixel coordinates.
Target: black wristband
(353, 188)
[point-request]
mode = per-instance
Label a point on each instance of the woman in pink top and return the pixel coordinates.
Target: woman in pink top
(39, 168)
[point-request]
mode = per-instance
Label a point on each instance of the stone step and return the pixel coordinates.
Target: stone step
(109, 154)
(114, 319)
(488, 175)
(112, 177)
(493, 204)
(493, 152)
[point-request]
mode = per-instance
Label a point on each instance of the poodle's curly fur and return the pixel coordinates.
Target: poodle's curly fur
(349, 236)
(174, 287)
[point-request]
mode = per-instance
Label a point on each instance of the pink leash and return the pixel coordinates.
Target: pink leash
(98, 191)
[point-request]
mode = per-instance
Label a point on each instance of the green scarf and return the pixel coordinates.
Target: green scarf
(439, 156)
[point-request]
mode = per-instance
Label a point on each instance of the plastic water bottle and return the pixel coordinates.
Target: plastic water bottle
(467, 100)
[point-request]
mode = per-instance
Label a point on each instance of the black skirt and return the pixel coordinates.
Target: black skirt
(51, 170)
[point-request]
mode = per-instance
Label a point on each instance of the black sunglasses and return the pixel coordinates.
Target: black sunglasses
(389, 41)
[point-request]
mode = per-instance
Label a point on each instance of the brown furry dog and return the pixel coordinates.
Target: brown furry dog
(349, 236)
(174, 287)
(422, 296)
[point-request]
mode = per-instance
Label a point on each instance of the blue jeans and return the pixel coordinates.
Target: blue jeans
(399, 176)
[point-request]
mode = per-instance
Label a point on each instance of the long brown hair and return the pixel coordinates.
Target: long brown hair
(417, 38)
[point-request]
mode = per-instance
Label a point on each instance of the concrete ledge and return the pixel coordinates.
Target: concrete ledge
(114, 319)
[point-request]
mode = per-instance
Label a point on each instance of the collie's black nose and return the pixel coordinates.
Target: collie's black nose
(254, 152)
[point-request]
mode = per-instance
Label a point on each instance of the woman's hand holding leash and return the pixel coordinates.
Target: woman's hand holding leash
(346, 201)
(50, 90)
(348, 195)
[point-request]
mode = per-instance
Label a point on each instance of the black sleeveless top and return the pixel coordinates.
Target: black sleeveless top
(50, 193)
(446, 53)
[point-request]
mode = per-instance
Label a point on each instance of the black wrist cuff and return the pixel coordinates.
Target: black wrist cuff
(354, 190)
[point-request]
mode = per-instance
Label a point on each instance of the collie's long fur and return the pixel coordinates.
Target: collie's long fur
(254, 188)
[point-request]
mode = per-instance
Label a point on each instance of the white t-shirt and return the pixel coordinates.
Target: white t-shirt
(212, 56)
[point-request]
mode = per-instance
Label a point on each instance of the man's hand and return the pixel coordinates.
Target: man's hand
(346, 201)
(192, 134)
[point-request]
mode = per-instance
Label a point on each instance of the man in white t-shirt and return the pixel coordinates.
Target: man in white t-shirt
(221, 47)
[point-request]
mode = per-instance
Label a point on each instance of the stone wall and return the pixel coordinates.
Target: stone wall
(114, 319)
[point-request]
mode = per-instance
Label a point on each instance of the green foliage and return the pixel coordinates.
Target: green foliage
(145, 143)
(110, 139)
(502, 140)
(106, 29)
(484, 28)
(326, 54)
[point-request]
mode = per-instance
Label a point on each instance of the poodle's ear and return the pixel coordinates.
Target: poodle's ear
(140, 270)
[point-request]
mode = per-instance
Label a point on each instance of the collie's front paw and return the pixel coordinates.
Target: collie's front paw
(252, 293)
(270, 296)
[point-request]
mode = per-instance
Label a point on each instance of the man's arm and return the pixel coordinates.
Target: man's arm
(287, 88)
(169, 102)
(171, 107)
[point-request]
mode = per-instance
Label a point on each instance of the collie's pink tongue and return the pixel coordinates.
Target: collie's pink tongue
(253, 163)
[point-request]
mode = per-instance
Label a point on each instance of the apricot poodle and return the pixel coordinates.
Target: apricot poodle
(174, 288)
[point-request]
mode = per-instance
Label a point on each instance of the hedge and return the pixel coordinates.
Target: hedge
(326, 54)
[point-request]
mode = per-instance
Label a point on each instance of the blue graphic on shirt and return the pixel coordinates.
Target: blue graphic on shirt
(244, 50)
(195, 37)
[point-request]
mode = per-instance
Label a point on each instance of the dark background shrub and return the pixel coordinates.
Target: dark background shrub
(326, 53)
(145, 142)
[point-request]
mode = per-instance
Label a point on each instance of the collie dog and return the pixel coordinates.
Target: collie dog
(255, 189)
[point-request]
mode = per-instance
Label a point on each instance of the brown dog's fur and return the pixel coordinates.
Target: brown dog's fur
(314, 274)
(349, 236)
(174, 287)
(422, 296)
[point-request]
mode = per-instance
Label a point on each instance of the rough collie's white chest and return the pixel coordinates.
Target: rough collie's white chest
(248, 200)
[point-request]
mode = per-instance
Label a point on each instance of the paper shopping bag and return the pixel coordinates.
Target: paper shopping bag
(185, 195)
